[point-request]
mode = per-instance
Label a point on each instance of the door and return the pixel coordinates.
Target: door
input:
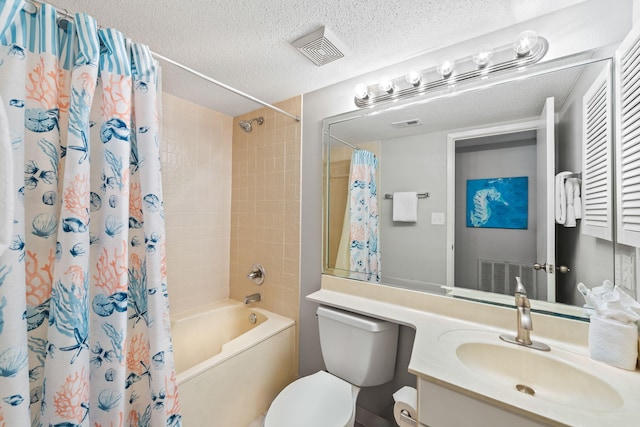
(545, 202)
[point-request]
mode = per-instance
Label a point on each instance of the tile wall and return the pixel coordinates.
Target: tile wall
(265, 208)
(196, 178)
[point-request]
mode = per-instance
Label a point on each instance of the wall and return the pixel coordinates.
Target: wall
(590, 259)
(196, 176)
(265, 208)
(584, 26)
(513, 245)
(419, 249)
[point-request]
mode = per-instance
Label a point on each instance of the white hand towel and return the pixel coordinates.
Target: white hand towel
(570, 213)
(613, 342)
(577, 199)
(6, 182)
(405, 206)
(561, 197)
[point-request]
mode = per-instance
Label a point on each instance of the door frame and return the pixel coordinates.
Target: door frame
(525, 125)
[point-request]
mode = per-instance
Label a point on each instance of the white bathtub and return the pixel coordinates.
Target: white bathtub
(229, 370)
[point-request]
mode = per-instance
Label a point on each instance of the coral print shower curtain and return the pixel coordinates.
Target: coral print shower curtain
(84, 323)
(364, 255)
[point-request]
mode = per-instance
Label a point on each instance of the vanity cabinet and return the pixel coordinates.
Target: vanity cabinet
(442, 407)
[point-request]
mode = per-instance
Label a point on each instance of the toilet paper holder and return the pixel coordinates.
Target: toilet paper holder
(405, 414)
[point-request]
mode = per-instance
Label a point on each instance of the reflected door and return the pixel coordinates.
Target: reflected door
(545, 248)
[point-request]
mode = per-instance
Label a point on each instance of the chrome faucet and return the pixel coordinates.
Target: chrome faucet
(253, 298)
(524, 324)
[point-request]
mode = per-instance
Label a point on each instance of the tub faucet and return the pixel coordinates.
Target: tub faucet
(524, 325)
(253, 298)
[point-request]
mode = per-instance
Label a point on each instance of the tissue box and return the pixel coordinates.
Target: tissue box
(613, 342)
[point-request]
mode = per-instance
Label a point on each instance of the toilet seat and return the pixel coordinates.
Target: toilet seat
(318, 400)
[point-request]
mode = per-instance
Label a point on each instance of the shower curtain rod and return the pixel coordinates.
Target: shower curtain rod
(68, 15)
(224, 86)
(355, 147)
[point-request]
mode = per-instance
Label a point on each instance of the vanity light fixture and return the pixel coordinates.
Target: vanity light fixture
(414, 78)
(528, 49)
(525, 42)
(386, 85)
(362, 91)
(483, 56)
(446, 68)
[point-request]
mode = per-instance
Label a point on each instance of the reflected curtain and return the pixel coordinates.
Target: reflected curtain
(364, 251)
(84, 316)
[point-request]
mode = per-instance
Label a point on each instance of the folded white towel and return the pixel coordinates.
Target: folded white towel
(561, 197)
(577, 199)
(614, 343)
(570, 213)
(6, 182)
(405, 206)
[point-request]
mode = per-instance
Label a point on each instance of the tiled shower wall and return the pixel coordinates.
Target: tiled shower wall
(196, 178)
(265, 208)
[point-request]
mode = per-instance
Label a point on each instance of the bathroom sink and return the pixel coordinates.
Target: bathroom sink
(556, 376)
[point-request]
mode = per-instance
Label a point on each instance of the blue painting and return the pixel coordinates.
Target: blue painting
(498, 202)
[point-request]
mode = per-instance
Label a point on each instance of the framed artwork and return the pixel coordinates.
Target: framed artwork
(498, 202)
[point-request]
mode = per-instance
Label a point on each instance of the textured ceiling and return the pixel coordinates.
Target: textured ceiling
(246, 43)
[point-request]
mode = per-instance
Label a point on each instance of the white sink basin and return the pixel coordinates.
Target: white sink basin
(555, 376)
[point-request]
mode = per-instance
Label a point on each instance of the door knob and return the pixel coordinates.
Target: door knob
(538, 266)
(563, 269)
(546, 267)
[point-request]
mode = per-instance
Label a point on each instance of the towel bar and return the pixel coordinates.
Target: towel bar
(420, 196)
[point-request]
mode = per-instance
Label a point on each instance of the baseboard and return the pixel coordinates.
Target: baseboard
(369, 419)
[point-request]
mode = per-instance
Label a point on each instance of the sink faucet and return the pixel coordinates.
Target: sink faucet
(253, 298)
(524, 324)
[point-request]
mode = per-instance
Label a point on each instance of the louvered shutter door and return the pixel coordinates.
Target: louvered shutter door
(596, 158)
(627, 83)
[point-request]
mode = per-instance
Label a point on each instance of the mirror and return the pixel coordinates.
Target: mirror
(483, 157)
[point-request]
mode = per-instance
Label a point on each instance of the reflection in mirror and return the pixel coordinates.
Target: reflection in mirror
(487, 154)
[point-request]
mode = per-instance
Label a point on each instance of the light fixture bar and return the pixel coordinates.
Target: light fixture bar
(373, 95)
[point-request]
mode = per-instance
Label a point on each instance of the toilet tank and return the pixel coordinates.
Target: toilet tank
(357, 348)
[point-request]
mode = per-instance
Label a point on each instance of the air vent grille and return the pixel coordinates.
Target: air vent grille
(321, 47)
(406, 123)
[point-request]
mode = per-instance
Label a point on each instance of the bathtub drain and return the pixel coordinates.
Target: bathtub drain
(253, 318)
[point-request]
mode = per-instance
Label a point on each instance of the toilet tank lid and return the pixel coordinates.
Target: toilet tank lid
(357, 320)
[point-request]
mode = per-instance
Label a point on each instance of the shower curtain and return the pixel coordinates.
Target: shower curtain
(364, 254)
(84, 316)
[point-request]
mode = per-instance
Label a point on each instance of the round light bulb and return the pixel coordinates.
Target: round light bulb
(445, 69)
(361, 91)
(386, 85)
(483, 56)
(414, 78)
(525, 42)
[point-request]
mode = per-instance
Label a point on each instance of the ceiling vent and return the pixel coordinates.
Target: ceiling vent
(406, 123)
(320, 46)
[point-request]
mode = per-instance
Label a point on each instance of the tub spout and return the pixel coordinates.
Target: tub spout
(252, 298)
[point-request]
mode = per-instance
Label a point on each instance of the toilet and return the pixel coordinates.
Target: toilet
(358, 351)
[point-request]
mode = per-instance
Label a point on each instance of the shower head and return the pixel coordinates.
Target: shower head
(246, 124)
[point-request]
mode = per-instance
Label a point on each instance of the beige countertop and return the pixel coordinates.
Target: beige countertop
(432, 316)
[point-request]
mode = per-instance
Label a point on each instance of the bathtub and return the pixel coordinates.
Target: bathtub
(229, 369)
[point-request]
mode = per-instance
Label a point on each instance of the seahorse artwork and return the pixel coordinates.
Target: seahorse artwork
(481, 212)
(498, 202)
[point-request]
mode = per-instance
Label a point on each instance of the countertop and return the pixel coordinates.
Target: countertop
(432, 316)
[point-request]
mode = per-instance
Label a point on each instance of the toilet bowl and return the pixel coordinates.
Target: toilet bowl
(358, 351)
(318, 400)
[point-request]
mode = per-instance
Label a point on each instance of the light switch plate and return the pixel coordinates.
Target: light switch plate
(437, 218)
